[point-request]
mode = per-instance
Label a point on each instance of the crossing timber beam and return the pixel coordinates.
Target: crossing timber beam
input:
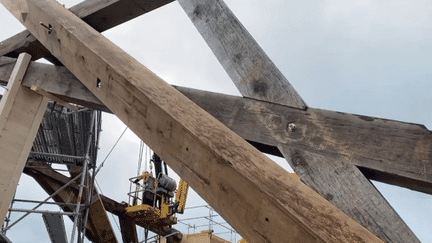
(255, 121)
(405, 159)
(384, 147)
(99, 14)
(215, 161)
(248, 66)
(21, 112)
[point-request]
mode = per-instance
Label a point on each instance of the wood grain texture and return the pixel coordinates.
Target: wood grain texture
(249, 67)
(55, 80)
(340, 182)
(100, 14)
(21, 112)
(394, 152)
(402, 158)
(269, 207)
(333, 175)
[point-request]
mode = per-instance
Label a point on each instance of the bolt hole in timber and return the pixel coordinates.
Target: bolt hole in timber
(98, 83)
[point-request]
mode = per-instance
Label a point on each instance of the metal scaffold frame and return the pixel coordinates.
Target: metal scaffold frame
(80, 215)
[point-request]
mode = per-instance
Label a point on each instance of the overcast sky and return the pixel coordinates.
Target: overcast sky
(365, 57)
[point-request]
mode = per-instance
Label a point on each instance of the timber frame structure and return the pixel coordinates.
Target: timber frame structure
(222, 136)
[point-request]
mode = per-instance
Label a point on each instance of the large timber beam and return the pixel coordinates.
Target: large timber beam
(329, 171)
(100, 14)
(249, 67)
(392, 152)
(21, 112)
(343, 184)
(269, 206)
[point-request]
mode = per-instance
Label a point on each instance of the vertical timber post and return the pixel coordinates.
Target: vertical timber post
(21, 112)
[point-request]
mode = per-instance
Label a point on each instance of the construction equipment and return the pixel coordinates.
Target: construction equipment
(152, 200)
(181, 196)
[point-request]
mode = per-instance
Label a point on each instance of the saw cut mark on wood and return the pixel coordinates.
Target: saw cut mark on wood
(218, 163)
(21, 112)
(248, 66)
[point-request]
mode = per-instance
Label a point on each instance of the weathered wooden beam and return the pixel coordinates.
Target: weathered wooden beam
(54, 98)
(54, 224)
(21, 112)
(332, 174)
(99, 228)
(404, 158)
(128, 230)
(396, 152)
(249, 67)
(342, 183)
(54, 79)
(100, 14)
(269, 207)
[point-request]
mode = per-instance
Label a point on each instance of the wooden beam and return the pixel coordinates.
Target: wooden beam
(269, 207)
(21, 112)
(249, 67)
(53, 98)
(399, 153)
(333, 174)
(100, 14)
(54, 224)
(128, 230)
(55, 80)
(403, 161)
(99, 228)
(342, 183)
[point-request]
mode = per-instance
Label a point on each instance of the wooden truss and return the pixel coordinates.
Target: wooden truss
(335, 154)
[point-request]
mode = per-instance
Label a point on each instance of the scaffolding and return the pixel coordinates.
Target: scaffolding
(60, 125)
(208, 219)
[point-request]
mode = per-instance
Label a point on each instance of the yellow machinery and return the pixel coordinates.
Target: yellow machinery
(181, 196)
(151, 203)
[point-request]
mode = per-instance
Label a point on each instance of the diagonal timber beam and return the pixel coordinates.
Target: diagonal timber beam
(100, 14)
(21, 112)
(392, 152)
(333, 175)
(249, 67)
(269, 207)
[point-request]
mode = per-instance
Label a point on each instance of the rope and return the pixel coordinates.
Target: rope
(100, 189)
(140, 158)
(103, 162)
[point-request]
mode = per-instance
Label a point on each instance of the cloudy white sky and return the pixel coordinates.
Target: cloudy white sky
(366, 57)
